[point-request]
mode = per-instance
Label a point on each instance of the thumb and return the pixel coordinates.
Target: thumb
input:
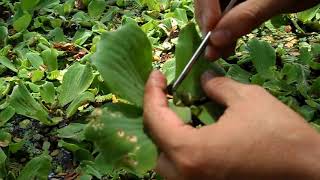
(221, 89)
(241, 20)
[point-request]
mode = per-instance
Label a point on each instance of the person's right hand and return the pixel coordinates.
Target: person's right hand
(239, 21)
(257, 137)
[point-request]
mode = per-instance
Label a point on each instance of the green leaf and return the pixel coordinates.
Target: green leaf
(22, 23)
(36, 75)
(76, 80)
(29, 4)
(117, 131)
(128, 55)
(78, 101)
(26, 105)
(190, 90)
(7, 63)
(35, 59)
(263, 56)
(169, 70)
(183, 112)
(3, 159)
(49, 57)
(96, 8)
(5, 138)
(3, 35)
(73, 131)
(81, 36)
(239, 74)
(6, 115)
(47, 92)
(309, 14)
(37, 168)
(181, 16)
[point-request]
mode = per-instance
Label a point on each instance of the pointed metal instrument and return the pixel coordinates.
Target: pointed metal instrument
(198, 52)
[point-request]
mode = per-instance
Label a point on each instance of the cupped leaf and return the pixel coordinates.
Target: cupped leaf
(96, 8)
(263, 56)
(35, 59)
(37, 168)
(26, 105)
(47, 92)
(239, 74)
(190, 90)
(7, 63)
(78, 101)
(49, 57)
(73, 131)
(22, 22)
(117, 131)
(6, 115)
(123, 58)
(29, 4)
(76, 80)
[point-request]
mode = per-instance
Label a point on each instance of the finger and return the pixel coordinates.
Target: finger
(241, 20)
(165, 128)
(212, 53)
(228, 51)
(208, 13)
(221, 89)
(166, 168)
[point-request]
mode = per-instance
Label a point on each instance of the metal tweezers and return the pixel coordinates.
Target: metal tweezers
(198, 52)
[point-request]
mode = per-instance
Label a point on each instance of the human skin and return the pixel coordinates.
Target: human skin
(257, 137)
(240, 20)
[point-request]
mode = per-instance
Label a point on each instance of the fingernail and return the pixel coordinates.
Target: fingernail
(206, 76)
(155, 77)
(221, 38)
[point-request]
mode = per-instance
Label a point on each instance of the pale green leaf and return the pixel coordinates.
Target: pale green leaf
(6, 115)
(47, 92)
(26, 105)
(262, 55)
(49, 57)
(117, 130)
(78, 101)
(7, 63)
(128, 54)
(76, 80)
(35, 59)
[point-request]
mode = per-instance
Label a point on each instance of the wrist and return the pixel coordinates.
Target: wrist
(307, 161)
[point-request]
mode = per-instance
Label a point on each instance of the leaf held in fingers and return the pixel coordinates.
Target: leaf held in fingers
(190, 90)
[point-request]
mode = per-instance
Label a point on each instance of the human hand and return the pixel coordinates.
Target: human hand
(240, 20)
(257, 137)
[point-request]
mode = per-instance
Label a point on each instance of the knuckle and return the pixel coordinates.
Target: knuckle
(252, 14)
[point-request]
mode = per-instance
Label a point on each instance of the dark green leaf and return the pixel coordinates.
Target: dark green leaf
(37, 168)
